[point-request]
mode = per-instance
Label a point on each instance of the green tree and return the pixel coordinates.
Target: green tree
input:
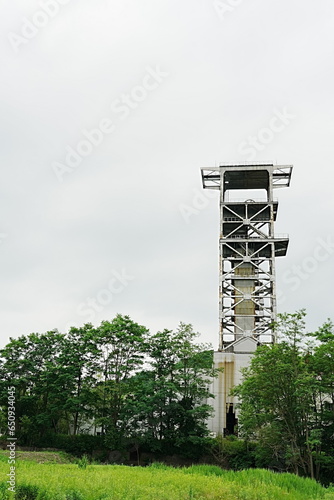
(169, 402)
(321, 365)
(136, 386)
(77, 368)
(27, 363)
(277, 397)
(52, 374)
(121, 345)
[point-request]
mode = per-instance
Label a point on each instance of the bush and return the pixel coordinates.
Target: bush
(192, 447)
(76, 445)
(26, 492)
(233, 453)
(83, 462)
(268, 458)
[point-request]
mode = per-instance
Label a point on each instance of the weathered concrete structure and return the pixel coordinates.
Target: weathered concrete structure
(247, 294)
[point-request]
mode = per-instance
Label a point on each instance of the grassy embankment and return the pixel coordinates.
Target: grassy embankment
(64, 481)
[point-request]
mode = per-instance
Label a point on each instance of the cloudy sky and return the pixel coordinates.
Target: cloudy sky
(110, 108)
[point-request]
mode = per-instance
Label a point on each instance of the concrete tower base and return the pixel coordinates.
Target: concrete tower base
(224, 420)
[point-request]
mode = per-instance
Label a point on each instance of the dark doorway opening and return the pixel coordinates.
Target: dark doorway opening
(231, 421)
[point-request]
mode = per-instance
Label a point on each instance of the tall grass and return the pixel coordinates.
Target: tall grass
(157, 482)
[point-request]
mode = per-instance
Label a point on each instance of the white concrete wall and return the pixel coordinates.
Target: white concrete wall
(221, 386)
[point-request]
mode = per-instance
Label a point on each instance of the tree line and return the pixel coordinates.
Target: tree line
(117, 380)
(150, 390)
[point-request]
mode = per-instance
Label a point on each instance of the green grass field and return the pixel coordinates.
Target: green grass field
(56, 481)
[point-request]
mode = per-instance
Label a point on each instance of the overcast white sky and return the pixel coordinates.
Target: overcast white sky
(198, 79)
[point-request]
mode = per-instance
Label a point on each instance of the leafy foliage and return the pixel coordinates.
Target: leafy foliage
(287, 400)
(116, 379)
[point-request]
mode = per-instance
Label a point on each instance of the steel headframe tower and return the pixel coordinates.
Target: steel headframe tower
(248, 247)
(247, 295)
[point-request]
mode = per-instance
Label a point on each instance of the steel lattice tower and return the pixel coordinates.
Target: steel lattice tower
(248, 247)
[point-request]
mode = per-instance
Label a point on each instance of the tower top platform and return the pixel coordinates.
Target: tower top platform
(246, 176)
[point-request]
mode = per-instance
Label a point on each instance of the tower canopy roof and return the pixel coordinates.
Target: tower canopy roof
(246, 176)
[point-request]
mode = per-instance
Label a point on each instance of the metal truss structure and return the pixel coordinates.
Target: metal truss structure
(248, 247)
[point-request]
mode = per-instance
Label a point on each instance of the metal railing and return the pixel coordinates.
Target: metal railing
(253, 236)
(241, 219)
